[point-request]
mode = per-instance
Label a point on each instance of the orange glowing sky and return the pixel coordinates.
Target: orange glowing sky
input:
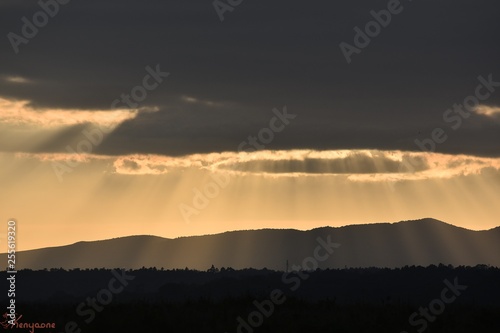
(61, 198)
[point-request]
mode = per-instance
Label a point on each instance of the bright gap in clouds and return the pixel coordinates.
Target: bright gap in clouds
(489, 111)
(24, 128)
(20, 113)
(17, 80)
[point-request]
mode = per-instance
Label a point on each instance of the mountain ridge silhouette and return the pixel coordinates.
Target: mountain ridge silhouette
(413, 242)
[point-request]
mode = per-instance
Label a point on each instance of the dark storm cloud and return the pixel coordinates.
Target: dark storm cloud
(264, 55)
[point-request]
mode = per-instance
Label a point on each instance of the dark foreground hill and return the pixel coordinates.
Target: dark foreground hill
(412, 299)
(422, 242)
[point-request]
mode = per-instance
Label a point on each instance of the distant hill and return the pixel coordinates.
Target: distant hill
(421, 242)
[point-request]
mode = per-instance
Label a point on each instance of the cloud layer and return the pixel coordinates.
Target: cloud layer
(226, 77)
(353, 165)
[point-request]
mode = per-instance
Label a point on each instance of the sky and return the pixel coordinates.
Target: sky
(187, 118)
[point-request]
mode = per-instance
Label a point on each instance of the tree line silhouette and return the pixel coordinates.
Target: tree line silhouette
(331, 300)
